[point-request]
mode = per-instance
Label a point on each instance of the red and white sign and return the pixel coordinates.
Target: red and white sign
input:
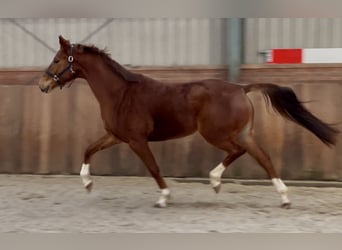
(315, 55)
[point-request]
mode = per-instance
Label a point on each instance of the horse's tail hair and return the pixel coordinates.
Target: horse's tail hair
(285, 102)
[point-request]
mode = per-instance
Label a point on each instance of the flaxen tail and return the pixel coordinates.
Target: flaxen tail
(285, 102)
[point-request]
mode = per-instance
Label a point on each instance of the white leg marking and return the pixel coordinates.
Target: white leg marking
(282, 189)
(165, 196)
(85, 175)
(215, 175)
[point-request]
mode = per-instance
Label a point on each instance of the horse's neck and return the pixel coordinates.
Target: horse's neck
(104, 83)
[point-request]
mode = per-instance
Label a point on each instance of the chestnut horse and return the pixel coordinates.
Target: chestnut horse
(137, 109)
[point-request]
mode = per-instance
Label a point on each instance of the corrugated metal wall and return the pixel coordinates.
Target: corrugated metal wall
(266, 33)
(49, 133)
(162, 42)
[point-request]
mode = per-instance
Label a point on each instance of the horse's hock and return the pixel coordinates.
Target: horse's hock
(48, 134)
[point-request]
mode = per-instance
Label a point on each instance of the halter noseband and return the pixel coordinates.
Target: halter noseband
(56, 77)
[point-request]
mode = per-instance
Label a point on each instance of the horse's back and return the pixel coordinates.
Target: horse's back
(180, 109)
(217, 94)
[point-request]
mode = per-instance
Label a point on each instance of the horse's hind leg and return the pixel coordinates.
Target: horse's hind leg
(234, 152)
(102, 143)
(247, 141)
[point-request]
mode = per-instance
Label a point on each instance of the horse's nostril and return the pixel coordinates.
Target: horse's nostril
(45, 90)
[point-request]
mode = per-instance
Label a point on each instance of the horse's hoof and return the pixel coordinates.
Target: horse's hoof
(89, 186)
(160, 205)
(286, 205)
(217, 188)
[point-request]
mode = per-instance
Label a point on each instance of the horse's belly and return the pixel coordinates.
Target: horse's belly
(162, 136)
(171, 130)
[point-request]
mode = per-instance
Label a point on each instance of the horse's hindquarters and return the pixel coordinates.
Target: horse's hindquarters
(224, 117)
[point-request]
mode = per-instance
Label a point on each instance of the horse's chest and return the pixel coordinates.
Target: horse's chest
(123, 125)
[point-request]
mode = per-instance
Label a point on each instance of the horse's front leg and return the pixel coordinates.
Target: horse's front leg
(102, 143)
(141, 148)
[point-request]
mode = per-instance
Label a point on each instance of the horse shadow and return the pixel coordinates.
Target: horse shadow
(215, 205)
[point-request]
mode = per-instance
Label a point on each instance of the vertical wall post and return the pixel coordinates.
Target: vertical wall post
(235, 47)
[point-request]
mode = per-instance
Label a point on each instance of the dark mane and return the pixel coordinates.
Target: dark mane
(116, 67)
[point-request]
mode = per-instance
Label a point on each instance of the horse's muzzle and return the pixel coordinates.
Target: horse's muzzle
(45, 89)
(44, 84)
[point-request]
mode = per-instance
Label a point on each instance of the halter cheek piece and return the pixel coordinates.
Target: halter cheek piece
(56, 77)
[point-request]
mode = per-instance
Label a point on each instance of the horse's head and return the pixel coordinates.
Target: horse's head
(62, 69)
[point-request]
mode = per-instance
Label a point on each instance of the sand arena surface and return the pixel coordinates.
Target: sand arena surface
(125, 204)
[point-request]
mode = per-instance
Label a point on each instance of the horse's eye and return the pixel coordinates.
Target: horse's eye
(56, 60)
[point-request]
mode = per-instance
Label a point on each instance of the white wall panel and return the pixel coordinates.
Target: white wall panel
(268, 33)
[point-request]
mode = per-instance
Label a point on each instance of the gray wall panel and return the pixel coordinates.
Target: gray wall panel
(162, 42)
(142, 42)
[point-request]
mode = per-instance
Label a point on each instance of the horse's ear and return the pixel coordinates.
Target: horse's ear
(65, 44)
